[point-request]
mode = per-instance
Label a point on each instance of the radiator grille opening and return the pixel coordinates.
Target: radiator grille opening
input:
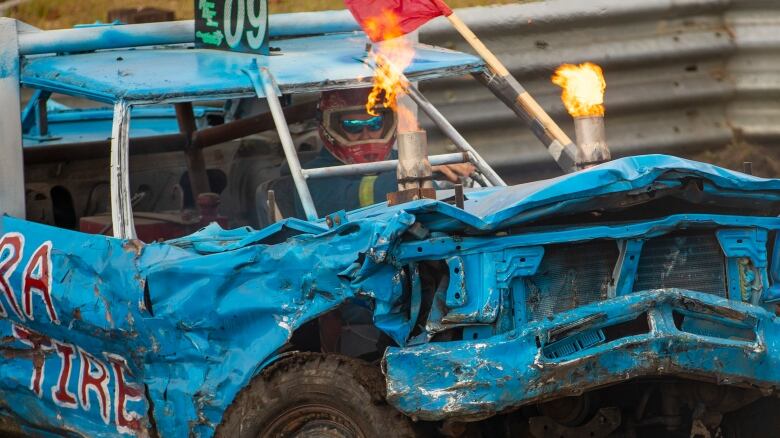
(694, 261)
(569, 343)
(570, 276)
(703, 326)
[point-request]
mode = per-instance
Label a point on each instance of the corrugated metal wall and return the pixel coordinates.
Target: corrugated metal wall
(682, 75)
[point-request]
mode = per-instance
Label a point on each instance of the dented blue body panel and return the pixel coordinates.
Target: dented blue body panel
(163, 336)
(477, 378)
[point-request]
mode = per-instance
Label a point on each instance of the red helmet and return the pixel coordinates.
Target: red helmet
(334, 106)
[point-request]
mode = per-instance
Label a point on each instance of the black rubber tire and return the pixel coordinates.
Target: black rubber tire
(760, 419)
(311, 395)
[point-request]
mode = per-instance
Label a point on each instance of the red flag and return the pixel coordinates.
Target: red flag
(385, 19)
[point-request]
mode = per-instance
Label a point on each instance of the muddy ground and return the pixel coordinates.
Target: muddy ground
(765, 158)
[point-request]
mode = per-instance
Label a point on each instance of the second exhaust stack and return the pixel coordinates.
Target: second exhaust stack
(591, 141)
(583, 96)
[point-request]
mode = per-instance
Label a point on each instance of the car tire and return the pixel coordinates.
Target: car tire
(311, 395)
(760, 419)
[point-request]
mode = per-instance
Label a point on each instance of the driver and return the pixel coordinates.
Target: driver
(350, 135)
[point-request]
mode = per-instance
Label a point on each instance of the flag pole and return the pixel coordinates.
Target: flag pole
(561, 143)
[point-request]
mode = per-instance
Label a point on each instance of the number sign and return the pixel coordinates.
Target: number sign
(235, 25)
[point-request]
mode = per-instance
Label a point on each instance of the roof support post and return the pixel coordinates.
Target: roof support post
(121, 206)
(11, 155)
(272, 96)
(196, 163)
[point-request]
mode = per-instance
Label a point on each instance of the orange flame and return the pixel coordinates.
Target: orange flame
(391, 56)
(583, 88)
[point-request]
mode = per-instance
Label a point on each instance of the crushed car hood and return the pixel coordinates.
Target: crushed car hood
(615, 183)
(611, 186)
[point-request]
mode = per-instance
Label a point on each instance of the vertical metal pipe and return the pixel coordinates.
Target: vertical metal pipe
(450, 132)
(42, 116)
(271, 94)
(460, 200)
(121, 207)
(196, 163)
(591, 141)
(414, 169)
(11, 156)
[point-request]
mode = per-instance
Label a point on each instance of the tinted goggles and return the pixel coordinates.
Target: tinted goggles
(356, 126)
(332, 119)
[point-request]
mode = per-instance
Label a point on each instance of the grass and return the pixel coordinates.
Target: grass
(57, 14)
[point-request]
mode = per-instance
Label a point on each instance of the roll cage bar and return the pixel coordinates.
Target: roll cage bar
(121, 209)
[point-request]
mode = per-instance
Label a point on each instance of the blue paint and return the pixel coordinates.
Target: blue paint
(457, 290)
(458, 379)
(495, 208)
(630, 252)
(442, 246)
(746, 253)
(9, 54)
(72, 125)
(171, 312)
(90, 38)
(195, 319)
(182, 74)
(774, 289)
(198, 317)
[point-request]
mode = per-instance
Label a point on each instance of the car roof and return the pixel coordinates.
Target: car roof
(185, 74)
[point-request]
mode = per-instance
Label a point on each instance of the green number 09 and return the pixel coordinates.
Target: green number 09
(248, 10)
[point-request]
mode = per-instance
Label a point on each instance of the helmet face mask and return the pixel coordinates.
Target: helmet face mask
(356, 126)
(333, 121)
(352, 135)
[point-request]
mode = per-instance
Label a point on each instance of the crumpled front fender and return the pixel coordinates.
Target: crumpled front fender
(661, 332)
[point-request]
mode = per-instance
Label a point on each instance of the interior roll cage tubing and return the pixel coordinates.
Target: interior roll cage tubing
(121, 211)
(300, 175)
(272, 94)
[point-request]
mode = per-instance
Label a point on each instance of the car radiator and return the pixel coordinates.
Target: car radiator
(694, 262)
(578, 274)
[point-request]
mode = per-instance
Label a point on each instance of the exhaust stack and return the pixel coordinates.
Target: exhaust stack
(591, 141)
(415, 176)
(583, 96)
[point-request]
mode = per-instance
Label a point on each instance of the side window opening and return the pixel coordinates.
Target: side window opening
(62, 206)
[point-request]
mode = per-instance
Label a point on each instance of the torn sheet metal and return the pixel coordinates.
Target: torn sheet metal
(189, 322)
(474, 379)
(71, 355)
(610, 185)
(102, 336)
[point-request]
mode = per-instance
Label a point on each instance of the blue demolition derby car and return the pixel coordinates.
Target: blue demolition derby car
(633, 298)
